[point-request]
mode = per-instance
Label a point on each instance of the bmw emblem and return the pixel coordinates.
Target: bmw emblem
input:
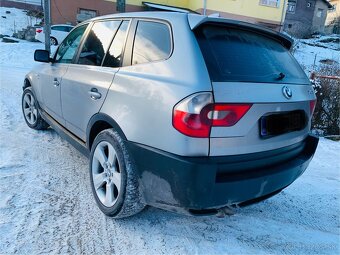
(287, 92)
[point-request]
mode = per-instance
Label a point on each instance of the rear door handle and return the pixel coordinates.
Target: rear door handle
(94, 94)
(56, 83)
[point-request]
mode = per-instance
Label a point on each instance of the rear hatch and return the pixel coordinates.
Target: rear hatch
(252, 65)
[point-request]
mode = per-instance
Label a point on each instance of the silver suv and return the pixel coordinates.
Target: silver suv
(184, 112)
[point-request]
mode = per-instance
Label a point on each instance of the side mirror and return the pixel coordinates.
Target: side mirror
(42, 56)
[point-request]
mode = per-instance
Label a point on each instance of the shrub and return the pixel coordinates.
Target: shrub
(326, 119)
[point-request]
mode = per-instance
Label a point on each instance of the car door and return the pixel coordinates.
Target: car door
(86, 83)
(51, 74)
(57, 33)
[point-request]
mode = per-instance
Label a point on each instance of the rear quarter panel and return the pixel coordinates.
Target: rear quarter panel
(142, 97)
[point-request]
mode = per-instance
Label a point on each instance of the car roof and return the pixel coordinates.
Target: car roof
(64, 25)
(195, 20)
(166, 15)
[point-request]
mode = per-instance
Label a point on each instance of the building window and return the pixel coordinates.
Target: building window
(270, 3)
(85, 14)
(319, 13)
(291, 7)
(90, 13)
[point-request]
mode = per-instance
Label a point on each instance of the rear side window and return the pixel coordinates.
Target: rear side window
(62, 28)
(97, 42)
(244, 56)
(57, 28)
(152, 42)
(114, 55)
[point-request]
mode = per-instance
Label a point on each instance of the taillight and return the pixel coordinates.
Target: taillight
(312, 106)
(227, 115)
(197, 114)
(39, 31)
(188, 116)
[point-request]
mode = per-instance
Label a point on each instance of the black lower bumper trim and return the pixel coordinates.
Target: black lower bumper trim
(181, 183)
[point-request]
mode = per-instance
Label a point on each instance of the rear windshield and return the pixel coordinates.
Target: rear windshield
(244, 56)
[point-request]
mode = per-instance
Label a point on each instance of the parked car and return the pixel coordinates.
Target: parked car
(184, 112)
(58, 33)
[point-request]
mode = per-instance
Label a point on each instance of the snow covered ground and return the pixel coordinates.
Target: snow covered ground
(14, 21)
(46, 205)
(36, 2)
(312, 52)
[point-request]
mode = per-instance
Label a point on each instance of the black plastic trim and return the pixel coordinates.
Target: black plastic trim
(180, 183)
(105, 118)
(64, 133)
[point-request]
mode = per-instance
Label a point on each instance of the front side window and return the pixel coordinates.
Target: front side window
(97, 42)
(235, 55)
(152, 42)
(68, 49)
(114, 55)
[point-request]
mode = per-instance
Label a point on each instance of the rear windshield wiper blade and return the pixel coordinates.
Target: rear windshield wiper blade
(281, 76)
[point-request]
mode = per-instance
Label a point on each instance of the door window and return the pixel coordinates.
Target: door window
(152, 42)
(62, 28)
(97, 42)
(68, 49)
(114, 55)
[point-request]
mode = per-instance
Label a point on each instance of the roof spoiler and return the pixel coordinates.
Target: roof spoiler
(196, 20)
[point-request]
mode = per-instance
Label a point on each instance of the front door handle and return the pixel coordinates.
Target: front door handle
(94, 94)
(56, 83)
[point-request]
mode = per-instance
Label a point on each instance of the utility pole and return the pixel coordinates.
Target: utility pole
(121, 5)
(283, 15)
(204, 7)
(47, 27)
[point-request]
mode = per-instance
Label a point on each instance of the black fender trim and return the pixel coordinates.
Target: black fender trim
(66, 134)
(102, 117)
(27, 83)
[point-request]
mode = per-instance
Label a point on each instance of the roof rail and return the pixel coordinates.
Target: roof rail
(163, 7)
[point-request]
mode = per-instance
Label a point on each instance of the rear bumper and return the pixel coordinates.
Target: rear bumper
(189, 184)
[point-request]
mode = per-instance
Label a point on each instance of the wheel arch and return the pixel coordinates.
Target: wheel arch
(27, 83)
(54, 38)
(98, 123)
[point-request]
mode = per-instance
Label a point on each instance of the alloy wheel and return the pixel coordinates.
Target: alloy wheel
(106, 174)
(53, 41)
(30, 110)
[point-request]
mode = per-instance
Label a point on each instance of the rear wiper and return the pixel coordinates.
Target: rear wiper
(281, 76)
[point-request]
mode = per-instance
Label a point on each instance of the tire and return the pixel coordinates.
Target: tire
(30, 110)
(53, 41)
(113, 176)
